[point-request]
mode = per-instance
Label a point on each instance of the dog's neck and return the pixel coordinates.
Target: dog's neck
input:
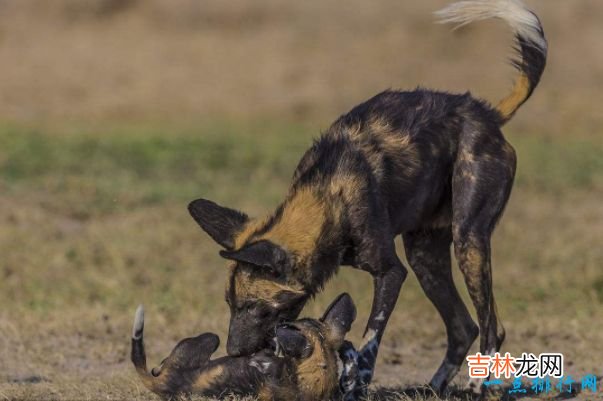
(307, 226)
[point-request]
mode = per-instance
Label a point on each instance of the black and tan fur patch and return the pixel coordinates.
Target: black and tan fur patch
(307, 370)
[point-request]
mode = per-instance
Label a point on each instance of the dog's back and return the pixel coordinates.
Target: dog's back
(405, 144)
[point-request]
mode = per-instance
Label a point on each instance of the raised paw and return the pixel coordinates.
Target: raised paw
(349, 369)
(367, 357)
(357, 371)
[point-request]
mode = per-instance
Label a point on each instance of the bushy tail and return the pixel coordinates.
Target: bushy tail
(531, 43)
(137, 355)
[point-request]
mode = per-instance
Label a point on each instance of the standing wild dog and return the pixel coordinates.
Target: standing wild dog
(431, 166)
(306, 367)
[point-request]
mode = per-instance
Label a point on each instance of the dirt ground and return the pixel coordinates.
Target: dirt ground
(115, 113)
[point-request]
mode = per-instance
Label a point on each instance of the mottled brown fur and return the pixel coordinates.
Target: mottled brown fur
(306, 371)
(317, 375)
(208, 378)
(248, 288)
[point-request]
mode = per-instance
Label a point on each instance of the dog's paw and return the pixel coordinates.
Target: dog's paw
(349, 368)
(356, 375)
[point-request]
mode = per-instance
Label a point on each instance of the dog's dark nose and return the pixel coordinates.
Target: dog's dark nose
(241, 345)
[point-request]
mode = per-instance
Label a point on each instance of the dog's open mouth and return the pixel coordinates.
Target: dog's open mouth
(276, 348)
(273, 348)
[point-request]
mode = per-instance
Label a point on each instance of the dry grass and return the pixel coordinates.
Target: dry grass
(183, 59)
(118, 115)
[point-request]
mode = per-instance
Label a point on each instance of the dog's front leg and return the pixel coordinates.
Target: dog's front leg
(388, 275)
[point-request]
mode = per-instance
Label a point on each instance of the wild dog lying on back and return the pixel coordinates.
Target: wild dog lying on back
(430, 166)
(307, 371)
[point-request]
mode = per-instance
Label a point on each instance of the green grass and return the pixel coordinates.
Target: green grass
(126, 167)
(107, 207)
(558, 164)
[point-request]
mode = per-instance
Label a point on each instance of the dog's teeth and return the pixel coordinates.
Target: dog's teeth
(277, 348)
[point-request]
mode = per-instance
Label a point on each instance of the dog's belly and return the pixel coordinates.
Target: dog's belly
(425, 205)
(420, 197)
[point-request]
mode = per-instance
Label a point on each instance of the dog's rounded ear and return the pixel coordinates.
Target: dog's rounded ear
(221, 223)
(192, 353)
(293, 343)
(209, 343)
(339, 317)
(263, 254)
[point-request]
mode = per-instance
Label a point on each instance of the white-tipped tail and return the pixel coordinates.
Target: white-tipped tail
(532, 45)
(138, 326)
(137, 354)
(514, 12)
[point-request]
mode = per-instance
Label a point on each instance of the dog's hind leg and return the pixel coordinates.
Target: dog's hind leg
(428, 252)
(482, 180)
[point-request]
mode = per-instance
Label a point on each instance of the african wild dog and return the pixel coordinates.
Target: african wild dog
(431, 166)
(305, 368)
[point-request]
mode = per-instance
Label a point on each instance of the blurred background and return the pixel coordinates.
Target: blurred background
(114, 114)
